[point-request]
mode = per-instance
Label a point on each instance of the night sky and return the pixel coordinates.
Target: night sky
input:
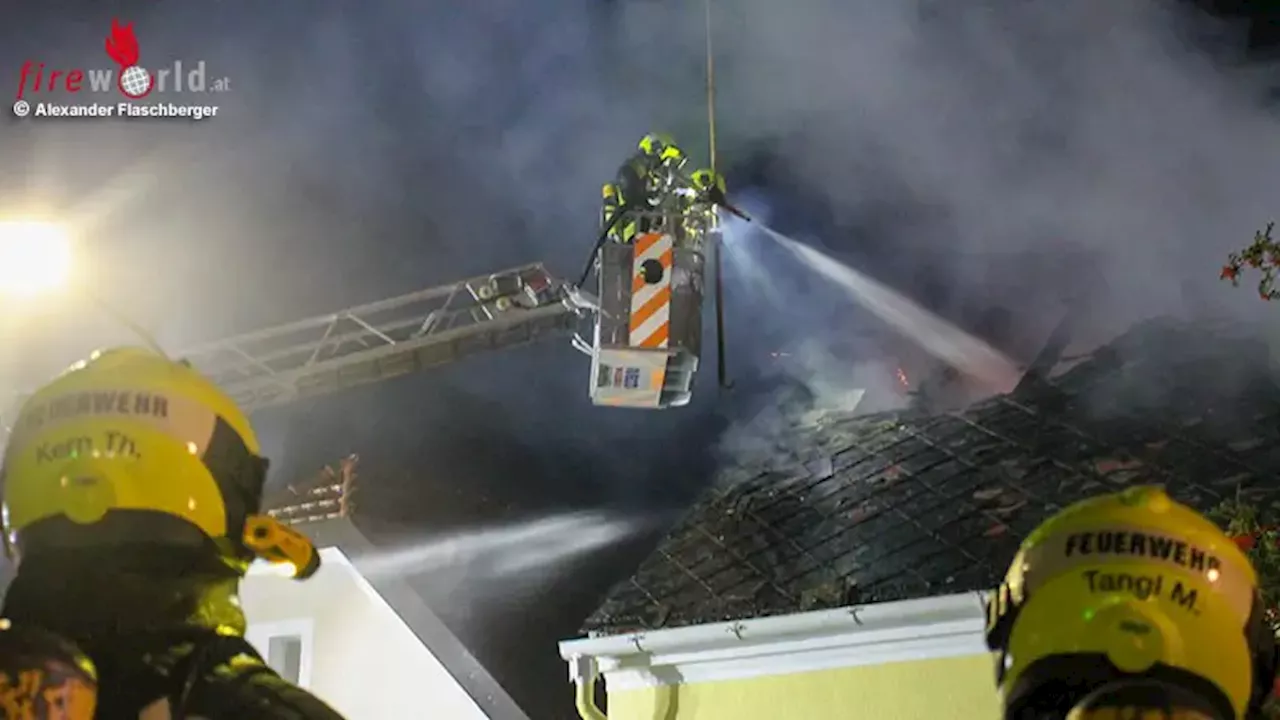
(985, 158)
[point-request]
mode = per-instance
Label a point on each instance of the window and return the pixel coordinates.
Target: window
(632, 379)
(286, 647)
(284, 655)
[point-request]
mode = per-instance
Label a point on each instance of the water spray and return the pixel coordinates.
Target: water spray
(940, 338)
(507, 551)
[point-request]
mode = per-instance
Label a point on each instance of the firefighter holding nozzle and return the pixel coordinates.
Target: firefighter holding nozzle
(132, 488)
(652, 172)
(1131, 605)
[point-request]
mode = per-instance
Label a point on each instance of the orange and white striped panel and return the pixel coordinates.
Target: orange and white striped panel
(651, 304)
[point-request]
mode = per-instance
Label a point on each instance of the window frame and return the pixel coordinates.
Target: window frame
(260, 635)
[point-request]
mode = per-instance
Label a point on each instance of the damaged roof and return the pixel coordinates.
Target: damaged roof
(895, 506)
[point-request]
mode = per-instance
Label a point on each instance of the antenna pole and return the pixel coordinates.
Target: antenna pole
(711, 88)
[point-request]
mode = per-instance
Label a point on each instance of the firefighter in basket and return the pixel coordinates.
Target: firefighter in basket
(710, 188)
(697, 206)
(1130, 606)
(132, 488)
(647, 177)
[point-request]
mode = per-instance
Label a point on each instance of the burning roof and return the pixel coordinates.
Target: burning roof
(900, 505)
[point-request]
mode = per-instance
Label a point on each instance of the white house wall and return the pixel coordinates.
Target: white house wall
(365, 660)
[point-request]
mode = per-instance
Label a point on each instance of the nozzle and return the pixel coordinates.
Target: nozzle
(736, 211)
(716, 195)
(277, 543)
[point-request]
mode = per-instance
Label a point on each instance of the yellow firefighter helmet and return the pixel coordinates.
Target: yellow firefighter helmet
(707, 179)
(1130, 600)
(662, 146)
(131, 447)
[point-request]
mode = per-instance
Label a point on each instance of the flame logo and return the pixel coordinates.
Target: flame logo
(134, 82)
(122, 46)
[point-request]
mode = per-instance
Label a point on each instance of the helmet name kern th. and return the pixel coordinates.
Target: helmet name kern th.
(98, 402)
(1140, 544)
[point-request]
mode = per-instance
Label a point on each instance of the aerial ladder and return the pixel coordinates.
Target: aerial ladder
(390, 338)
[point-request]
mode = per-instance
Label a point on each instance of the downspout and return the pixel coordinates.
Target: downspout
(583, 674)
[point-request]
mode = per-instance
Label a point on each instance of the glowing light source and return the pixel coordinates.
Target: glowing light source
(35, 257)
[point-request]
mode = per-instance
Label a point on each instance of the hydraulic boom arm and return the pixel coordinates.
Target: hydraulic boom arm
(385, 339)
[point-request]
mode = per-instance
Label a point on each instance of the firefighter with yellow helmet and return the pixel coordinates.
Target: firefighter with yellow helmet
(660, 147)
(699, 200)
(1130, 605)
(709, 187)
(709, 183)
(132, 488)
(646, 176)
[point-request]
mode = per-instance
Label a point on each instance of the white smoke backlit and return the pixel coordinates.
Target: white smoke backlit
(1091, 124)
(1018, 126)
(939, 130)
(953, 133)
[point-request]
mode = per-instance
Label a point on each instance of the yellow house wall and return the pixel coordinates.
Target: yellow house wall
(958, 688)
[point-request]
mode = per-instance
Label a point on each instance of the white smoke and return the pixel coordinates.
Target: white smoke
(1093, 129)
(939, 129)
